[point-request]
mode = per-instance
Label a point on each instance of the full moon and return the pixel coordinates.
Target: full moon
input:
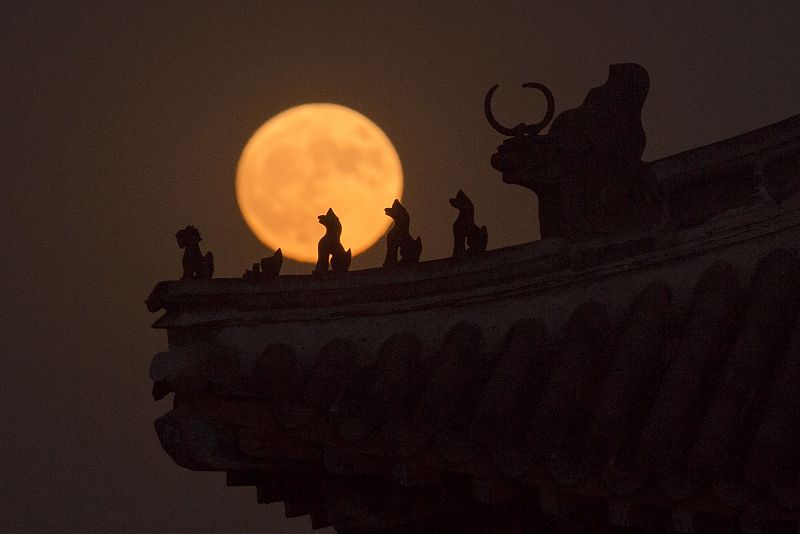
(307, 159)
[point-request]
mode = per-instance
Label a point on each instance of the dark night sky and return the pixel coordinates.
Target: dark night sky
(122, 124)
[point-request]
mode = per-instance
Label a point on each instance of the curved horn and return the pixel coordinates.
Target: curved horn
(534, 129)
(529, 129)
(487, 109)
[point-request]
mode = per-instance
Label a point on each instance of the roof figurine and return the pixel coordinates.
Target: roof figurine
(195, 265)
(330, 252)
(399, 240)
(468, 237)
(265, 270)
(587, 170)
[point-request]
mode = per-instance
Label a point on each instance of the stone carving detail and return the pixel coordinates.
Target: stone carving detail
(399, 239)
(587, 170)
(330, 247)
(195, 265)
(267, 269)
(468, 238)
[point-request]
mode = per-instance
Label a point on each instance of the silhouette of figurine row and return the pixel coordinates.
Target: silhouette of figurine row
(401, 247)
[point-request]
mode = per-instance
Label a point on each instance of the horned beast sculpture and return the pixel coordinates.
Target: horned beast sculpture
(587, 170)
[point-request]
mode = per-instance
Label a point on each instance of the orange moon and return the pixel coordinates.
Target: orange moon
(307, 159)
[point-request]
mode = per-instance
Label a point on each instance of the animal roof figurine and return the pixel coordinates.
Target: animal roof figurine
(195, 265)
(465, 231)
(399, 239)
(267, 269)
(587, 170)
(330, 248)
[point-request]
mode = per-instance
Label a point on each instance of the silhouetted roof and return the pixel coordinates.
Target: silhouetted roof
(649, 380)
(694, 411)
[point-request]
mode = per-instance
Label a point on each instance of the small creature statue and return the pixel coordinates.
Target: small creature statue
(330, 246)
(464, 228)
(399, 238)
(266, 270)
(195, 265)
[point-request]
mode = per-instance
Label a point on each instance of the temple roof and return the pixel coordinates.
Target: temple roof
(694, 409)
(648, 380)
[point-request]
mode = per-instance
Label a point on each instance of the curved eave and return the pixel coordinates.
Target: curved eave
(758, 146)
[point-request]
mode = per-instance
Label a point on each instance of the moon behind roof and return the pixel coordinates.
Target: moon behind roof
(307, 159)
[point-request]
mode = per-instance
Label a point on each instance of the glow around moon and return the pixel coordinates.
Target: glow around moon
(310, 158)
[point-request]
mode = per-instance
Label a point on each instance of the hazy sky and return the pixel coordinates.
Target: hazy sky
(122, 123)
